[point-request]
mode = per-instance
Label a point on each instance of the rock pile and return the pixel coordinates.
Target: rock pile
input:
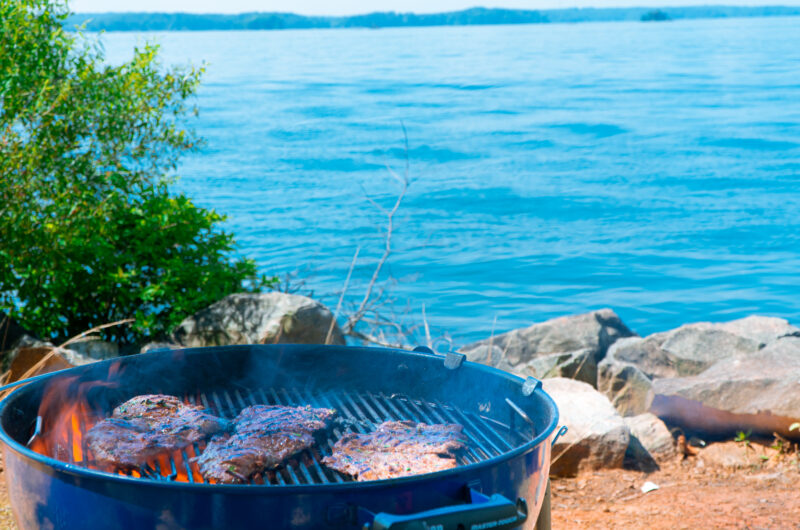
(759, 392)
(562, 347)
(711, 379)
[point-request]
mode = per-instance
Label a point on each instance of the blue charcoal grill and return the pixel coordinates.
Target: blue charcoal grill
(500, 482)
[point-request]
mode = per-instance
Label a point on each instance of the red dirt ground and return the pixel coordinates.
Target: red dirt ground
(692, 494)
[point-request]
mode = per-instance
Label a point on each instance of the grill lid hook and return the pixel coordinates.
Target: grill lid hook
(453, 360)
(530, 386)
(561, 432)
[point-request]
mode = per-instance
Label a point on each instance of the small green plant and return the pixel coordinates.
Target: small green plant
(90, 233)
(743, 438)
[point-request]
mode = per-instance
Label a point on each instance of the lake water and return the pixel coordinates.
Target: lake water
(650, 168)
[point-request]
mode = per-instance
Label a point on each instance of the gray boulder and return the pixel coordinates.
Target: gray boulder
(762, 330)
(627, 387)
(644, 353)
(490, 354)
(758, 392)
(263, 318)
(579, 365)
(692, 348)
(155, 346)
(574, 343)
(653, 436)
(89, 351)
(695, 347)
(596, 438)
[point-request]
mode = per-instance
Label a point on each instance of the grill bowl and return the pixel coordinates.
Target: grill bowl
(509, 422)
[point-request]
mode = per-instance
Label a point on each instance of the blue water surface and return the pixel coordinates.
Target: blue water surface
(653, 168)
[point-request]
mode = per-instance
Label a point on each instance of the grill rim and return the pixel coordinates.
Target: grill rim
(54, 465)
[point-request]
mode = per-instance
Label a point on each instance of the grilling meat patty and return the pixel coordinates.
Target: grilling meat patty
(263, 437)
(147, 426)
(397, 449)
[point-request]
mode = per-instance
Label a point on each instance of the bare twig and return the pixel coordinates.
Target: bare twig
(387, 249)
(78, 337)
(491, 341)
(382, 322)
(290, 284)
(580, 367)
(512, 336)
(428, 340)
(369, 303)
(372, 319)
(380, 340)
(341, 296)
(278, 335)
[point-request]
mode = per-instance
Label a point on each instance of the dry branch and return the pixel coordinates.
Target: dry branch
(428, 340)
(341, 296)
(370, 304)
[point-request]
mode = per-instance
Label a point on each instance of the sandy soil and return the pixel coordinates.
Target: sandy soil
(691, 494)
(6, 518)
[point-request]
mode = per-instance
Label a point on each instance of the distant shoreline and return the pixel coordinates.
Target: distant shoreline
(469, 17)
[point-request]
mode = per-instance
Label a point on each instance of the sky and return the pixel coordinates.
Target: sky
(350, 7)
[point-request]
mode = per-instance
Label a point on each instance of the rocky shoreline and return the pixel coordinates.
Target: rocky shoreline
(646, 398)
(626, 400)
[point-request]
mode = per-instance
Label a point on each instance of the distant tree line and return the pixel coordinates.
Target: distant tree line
(475, 16)
(655, 15)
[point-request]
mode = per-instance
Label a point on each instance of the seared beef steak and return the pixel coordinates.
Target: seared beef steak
(147, 426)
(264, 437)
(397, 449)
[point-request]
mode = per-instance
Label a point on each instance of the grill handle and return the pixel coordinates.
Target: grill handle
(495, 512)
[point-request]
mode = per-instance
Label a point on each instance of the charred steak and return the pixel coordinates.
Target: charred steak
(397, 449)
(147, 426)
(263, 437)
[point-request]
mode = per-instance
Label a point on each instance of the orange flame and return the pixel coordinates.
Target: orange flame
(65, 419)
(67, 415)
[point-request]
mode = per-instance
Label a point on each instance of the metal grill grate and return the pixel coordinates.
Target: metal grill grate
(360, 412)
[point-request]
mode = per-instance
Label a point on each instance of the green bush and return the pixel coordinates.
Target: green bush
(89, 231)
